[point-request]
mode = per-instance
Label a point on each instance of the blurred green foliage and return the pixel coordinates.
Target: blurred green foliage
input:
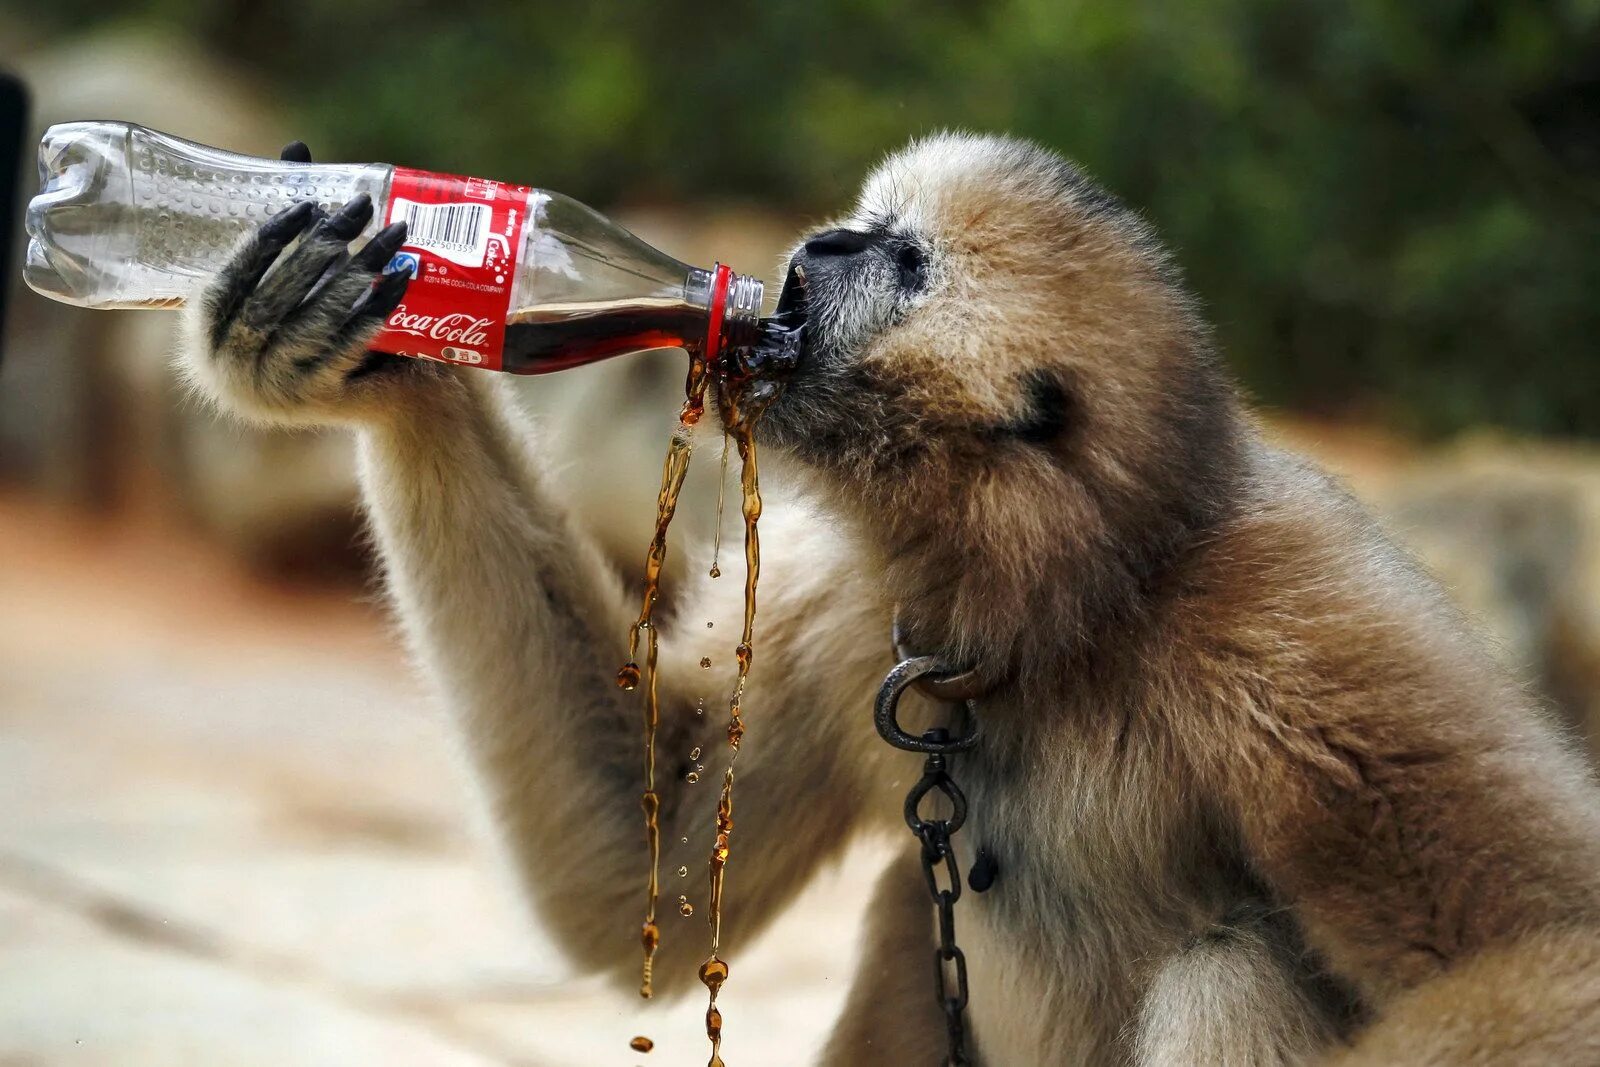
(1388, 205)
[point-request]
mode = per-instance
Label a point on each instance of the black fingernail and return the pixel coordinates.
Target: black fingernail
(288, 222)
(352, 218)
(295, 152)
(384, 244)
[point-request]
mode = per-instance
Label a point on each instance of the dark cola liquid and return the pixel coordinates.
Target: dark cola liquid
(552, 337)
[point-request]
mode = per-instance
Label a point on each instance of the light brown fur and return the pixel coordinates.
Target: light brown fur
(1256, 794)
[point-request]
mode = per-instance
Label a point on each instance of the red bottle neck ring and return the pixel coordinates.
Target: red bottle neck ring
(734, 315)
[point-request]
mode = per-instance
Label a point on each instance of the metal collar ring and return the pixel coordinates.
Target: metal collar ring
(885, 709)
(941, 683)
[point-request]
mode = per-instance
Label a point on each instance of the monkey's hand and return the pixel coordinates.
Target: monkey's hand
(281, 334)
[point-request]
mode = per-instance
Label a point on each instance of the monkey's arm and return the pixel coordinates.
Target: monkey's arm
(1440, 848)
(522, 626)
(1532, 1003)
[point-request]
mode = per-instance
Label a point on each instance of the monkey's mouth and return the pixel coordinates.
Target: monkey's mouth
(793, 298)
(754, 376)
(782, 341)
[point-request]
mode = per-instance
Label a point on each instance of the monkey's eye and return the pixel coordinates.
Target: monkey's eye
(913, 267)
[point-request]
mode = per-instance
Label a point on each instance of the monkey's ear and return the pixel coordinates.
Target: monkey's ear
(295, 152)
(1049, 412)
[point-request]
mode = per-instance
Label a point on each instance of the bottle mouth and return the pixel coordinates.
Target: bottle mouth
(742, 315)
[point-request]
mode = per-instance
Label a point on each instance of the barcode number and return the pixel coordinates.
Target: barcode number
(458, 231)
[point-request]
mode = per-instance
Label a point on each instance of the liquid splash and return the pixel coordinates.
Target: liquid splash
(740, 420)
(672, 474)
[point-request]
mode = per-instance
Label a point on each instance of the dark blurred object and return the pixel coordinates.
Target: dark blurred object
(13, 144)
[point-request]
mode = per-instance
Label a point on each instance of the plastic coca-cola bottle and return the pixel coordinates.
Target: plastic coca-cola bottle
(504, 276)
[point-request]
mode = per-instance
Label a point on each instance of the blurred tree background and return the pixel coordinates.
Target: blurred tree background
(1391, 207)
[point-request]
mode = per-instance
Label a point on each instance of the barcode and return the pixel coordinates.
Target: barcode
(458, 231)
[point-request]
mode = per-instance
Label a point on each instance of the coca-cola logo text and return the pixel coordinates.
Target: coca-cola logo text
(458, 328)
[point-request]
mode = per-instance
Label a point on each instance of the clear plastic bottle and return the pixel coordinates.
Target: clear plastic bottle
(504, 276)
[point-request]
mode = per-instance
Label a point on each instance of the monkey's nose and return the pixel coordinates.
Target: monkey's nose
(837, 243)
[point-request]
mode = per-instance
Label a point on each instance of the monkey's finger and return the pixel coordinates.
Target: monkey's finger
(239, 279)
(295, 152)
(339, 324)
(333, 329)
(298, 272)
(373, 306)
(329, 273)
(349, 279)
(378, 302)
(378, 251)
(344, 308)
(386, 292)
(348, 222)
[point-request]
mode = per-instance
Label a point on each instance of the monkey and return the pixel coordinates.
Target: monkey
(1252, 789)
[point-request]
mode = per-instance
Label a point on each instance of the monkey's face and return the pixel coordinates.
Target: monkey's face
(996, 349)
(983, 303)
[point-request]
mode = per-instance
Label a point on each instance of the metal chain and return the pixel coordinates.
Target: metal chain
(949, 963)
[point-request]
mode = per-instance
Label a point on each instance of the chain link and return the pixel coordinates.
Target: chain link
(937, 854)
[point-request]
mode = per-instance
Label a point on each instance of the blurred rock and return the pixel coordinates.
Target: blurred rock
(1514, 531)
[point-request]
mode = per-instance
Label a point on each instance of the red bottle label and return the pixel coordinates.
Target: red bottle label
(462, 240)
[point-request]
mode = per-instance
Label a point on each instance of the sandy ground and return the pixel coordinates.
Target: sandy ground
(233, 831)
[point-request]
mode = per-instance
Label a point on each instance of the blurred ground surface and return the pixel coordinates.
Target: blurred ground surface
(234, 832)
